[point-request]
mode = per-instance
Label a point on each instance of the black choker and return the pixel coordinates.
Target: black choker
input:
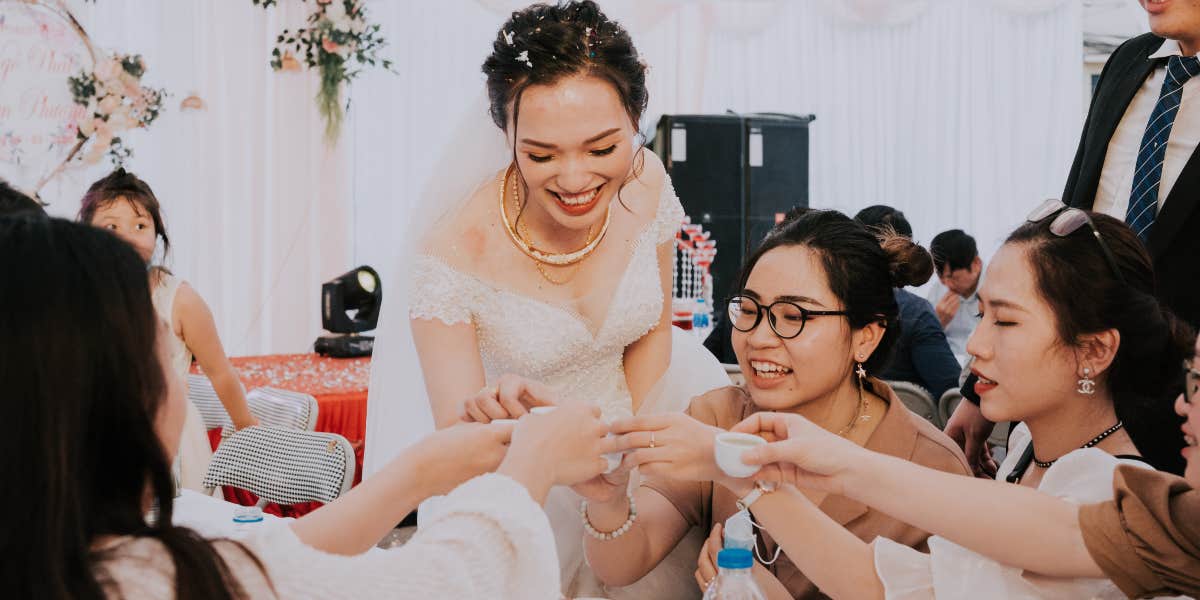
(1028, 457)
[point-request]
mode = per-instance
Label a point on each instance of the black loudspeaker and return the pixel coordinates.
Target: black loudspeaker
(736, 175)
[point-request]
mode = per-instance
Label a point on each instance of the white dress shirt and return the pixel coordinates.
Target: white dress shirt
(1116, 179)
(960, 328)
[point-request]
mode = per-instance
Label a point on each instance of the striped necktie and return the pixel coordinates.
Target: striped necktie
(1143, 199)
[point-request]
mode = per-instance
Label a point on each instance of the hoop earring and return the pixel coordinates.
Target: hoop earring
(1086, 386)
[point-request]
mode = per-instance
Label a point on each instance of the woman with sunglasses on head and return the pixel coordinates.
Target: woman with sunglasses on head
(1146, 540)
(1072, 343)
(814, 317)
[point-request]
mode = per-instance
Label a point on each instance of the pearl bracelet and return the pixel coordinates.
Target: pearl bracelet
(611, 535)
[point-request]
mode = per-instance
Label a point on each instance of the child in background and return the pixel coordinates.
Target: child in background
(125, 205)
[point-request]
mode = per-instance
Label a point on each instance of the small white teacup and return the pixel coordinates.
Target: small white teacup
(728, 451)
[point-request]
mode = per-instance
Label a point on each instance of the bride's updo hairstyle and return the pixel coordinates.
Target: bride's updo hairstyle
(544, 43)
(862, 269)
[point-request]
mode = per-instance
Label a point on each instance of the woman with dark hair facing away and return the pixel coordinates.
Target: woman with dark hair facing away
(101, 412)
(1082, 376)
(556, 267)
(922, 354)
(813, 320)
(125, 205)
(13, 202)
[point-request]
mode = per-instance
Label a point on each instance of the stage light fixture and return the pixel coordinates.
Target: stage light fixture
(349, 306)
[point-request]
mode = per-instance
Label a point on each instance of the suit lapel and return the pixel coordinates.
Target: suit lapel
(1181, 202)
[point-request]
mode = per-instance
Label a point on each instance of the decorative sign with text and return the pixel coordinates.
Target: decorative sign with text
(41, 46)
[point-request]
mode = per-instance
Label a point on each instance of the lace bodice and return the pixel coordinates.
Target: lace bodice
(550, 342)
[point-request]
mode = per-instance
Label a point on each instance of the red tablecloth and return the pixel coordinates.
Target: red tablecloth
(338, 384)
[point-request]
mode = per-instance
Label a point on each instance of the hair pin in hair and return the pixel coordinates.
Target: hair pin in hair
(524, 57)
(508, 37)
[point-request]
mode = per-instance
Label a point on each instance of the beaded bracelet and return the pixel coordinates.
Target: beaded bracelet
(611, 535)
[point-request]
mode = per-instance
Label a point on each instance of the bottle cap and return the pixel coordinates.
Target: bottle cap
(735, 558)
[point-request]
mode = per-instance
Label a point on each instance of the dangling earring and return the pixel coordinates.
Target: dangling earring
(860, 371)
(1087, 386)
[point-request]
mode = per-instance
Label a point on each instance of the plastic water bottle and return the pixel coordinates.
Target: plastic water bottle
(739, 533)
(700, 315)
(734, 580)
(246, 521)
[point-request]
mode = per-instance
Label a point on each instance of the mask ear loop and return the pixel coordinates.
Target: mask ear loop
(757, 554)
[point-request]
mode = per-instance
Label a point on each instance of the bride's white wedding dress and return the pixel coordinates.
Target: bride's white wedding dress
(554, 344)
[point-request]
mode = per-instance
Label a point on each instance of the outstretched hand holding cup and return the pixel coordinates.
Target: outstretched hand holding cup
(804, 455)
(565, 446)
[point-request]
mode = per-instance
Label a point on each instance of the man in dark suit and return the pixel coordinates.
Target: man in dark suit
(1137, 161)
(1138, 151)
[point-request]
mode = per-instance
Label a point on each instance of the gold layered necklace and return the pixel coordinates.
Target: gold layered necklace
(524, 241)
(861, 414)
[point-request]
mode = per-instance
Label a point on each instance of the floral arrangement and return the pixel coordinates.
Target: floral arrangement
(340, 42)
(115, 101)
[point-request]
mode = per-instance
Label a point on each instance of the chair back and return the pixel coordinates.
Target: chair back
(283, 408)
(284, 466)
(202, 394)
(916, 398)
(950, 401)
(946, 405)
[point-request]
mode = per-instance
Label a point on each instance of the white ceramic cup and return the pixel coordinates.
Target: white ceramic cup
(613, 458)
(728, 451)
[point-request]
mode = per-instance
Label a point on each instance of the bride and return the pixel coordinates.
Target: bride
(554, 264)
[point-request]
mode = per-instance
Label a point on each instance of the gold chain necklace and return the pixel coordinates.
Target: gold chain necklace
(541, 256)
(860, 415)
(528, 239)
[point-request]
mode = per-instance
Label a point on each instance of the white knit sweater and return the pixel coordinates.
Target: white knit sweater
(489, 539)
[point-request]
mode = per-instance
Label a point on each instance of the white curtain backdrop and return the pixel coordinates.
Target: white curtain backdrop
(962, 113)
(257, 208)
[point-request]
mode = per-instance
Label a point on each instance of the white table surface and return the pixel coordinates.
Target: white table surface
(212, 517)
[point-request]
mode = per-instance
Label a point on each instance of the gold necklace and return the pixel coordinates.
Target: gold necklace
(527, 238)
(541, 256)
(860, 415)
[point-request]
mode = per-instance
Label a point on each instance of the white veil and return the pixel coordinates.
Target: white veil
(398, 411)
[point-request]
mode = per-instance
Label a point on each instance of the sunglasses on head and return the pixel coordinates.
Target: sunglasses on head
(1068, 220)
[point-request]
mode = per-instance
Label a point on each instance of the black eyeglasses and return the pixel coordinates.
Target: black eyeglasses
(1191, 382)
(786, 319)
(1069, 220)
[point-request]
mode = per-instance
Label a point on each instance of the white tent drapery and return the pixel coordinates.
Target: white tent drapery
(960, 113)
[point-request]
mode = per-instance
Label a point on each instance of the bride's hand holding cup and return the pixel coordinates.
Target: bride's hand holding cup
(803, 455)
(510, 398)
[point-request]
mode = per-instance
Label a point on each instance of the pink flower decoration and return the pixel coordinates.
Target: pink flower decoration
(330, 46)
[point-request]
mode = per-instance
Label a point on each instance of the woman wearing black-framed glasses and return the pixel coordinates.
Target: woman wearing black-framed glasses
(813, 320)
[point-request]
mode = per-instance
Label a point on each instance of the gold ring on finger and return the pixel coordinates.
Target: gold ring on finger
(651, 439)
